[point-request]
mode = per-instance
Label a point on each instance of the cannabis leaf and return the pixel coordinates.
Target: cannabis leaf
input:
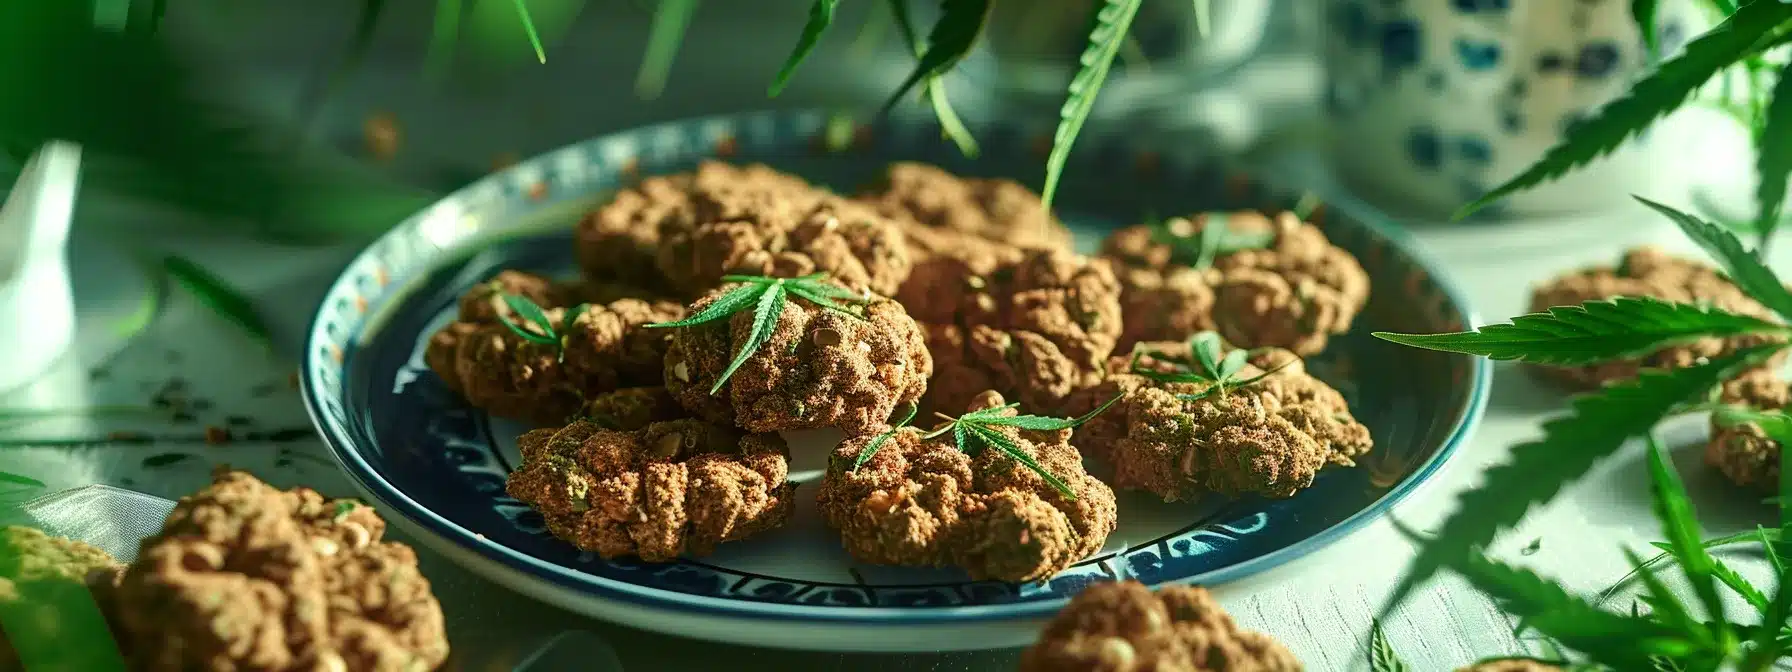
(1597, 425)
(1625, 642)
(443, 35)
(1681, 527)
(344, 507)
(933, 87)
(215, 293)
(1219, 373)
(1382, 657)
(1198, 249)
(1592, 332)
(670, 19)
(877, 442)
(1773, 156)
(1643, 13)
(767, 296)
(1762, 535)
(1663, 91)
(1744, 267)
(983, 425)
(522, 12)
(16, 479)
(961, 22)
(1111, 24)
(821, 15)
(537, 327)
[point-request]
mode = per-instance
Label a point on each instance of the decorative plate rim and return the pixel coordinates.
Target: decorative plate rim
(342, 447)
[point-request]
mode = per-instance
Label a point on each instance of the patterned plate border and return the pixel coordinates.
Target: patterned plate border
(349, 317)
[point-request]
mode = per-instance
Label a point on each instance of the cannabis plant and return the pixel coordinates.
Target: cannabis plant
(1672, 635)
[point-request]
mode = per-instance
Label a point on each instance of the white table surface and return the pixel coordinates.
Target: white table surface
(1320, 605)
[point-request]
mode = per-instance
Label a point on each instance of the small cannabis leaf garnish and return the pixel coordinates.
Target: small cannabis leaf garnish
(1198, 249)
(982, 425)
(877, 442)
(537, 327)
(344, 507)
(1111, 23)
(1382, 657)
(767, 297)
(1219, 373)
(1595, 331)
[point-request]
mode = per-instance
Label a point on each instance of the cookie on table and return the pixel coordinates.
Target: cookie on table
(1288, 287)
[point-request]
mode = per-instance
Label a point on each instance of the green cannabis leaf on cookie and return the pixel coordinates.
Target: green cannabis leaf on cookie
(877, 442)
(978, 430)
(1205, 366)
(536, 326)
(766, 297)
(1198, 248)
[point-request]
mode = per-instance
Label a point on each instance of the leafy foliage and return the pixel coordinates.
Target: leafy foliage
(1681, 527)
(877, 442)
(821, 15)
(1626, 642)
(1382, 657)
(1744, 267)
(1773, 155)
(1643, 13)
(1198, 249)
(670, 19)
(1596, 426)
(1595, 331)
(218, 295)
(522, 12)
(17, 479)
(933, 87)
(961, 22)
(982, 425)
(1663, 91)
(1111, 25)
(767, 297)
(1207, 366)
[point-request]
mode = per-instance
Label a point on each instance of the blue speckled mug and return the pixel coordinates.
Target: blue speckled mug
(1432, 102)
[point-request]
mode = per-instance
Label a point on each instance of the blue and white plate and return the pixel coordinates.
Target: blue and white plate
(438, 467)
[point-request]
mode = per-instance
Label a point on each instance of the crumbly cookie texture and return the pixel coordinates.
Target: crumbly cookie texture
(1294, 294)
(47, 605)
(665, 490)
(992, 209)
(603, 347)
(1270, 438)
(925, 503)
(820, 368)
(686, 231)
(1742, 452)
(1033, 324)
(244, 576)
(1121, 626)
(1650, 271)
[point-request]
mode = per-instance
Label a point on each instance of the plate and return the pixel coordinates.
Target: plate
(438, 466)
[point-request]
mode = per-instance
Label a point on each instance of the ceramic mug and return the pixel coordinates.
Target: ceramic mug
(1430, 103)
